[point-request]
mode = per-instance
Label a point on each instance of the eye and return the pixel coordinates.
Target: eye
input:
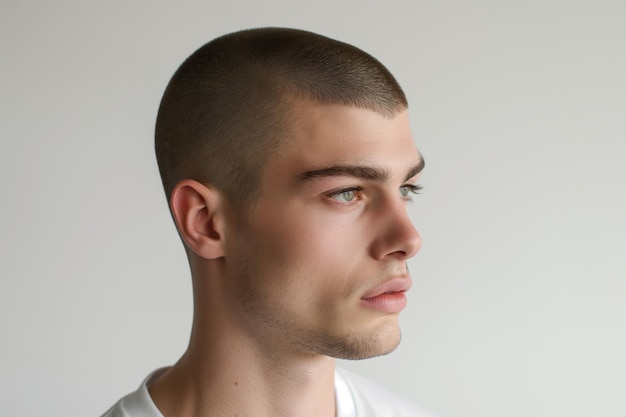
(408, 189)
(348, 195)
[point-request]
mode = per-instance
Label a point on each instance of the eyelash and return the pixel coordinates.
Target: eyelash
(413, 189)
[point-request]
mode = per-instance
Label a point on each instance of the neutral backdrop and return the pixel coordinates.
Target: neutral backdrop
(518, 305)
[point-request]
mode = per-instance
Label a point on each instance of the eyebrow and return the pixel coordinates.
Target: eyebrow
(359, 171)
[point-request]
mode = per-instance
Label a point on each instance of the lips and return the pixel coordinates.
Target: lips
(388, 297)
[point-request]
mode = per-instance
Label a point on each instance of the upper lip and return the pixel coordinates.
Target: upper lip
(396, 284)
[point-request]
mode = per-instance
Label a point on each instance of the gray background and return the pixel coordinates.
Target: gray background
(519, 107)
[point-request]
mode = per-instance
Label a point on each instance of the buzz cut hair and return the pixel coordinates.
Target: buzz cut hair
(228, 107)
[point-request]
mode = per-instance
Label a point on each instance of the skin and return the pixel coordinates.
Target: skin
(280, 292)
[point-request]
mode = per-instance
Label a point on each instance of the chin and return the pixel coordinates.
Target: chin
(363, 346)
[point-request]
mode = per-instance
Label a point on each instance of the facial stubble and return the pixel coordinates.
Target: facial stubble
(279, 331)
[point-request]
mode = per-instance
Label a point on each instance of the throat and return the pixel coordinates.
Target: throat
(245, 387)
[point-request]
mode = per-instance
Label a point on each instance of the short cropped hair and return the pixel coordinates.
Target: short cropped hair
(227, 107)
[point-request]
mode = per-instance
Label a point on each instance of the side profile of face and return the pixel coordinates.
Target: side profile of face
(319, 266)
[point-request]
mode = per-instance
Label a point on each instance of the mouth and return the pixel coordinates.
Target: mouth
(390, 297)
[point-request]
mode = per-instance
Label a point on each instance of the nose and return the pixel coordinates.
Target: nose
(396, 235)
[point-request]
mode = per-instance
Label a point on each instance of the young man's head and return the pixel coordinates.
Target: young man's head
(288, 161)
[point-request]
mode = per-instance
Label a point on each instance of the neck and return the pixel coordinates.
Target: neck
(225, 371)
(190, 392)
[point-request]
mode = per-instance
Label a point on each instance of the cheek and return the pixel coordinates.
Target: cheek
(315, 242)
(319, 253)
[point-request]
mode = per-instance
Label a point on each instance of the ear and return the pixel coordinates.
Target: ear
(197, 211)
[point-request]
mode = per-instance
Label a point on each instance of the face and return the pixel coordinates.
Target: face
(319, 264)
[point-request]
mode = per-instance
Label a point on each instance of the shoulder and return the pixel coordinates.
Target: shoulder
(372, 400)
(116, 411)
(138, 403)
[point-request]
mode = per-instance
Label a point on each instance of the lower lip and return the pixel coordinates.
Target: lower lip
(386, 303)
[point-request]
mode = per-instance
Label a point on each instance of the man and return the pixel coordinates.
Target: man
(288, 162)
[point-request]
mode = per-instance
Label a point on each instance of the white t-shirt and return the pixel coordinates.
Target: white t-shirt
(355, 397)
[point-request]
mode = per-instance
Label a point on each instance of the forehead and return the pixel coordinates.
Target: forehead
(321, 136)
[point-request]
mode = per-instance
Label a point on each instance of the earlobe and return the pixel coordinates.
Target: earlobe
(197, 212)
